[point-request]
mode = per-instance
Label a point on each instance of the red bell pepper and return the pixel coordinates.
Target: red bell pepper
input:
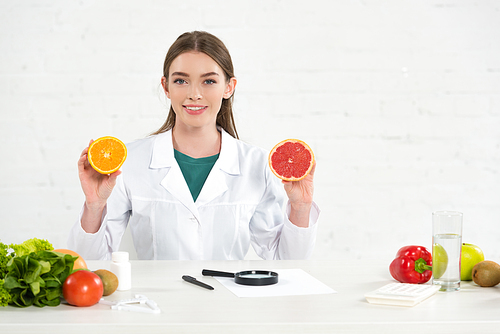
(413, 264)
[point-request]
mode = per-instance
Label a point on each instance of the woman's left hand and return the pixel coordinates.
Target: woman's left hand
(300, 195)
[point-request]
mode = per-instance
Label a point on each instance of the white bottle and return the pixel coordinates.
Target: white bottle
(122, 268)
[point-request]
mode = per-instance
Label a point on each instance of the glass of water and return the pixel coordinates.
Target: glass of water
(446, 249)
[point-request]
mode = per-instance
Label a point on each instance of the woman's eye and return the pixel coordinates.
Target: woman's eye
(210, 81)
(180, 81)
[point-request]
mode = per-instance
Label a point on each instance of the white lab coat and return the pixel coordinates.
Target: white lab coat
(241, 203)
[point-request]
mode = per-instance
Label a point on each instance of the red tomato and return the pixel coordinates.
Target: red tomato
(82, 288)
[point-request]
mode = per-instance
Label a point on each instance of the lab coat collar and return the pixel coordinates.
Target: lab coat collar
(229, 158)
(227, 163)
(174, 182)
(163, 153)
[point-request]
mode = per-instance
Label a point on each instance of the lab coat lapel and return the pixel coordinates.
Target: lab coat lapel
(228, 163)
(173, 182)
(215, 185)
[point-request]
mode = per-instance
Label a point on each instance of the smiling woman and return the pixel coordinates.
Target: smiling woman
(204, 43)
(192, 190)
(197, 87)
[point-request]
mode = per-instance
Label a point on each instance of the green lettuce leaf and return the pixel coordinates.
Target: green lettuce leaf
(37, 278)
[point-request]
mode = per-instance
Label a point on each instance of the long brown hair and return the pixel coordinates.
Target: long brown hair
(213, 47)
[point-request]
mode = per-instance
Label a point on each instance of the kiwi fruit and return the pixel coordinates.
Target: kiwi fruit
(486, 273)
(109, 281)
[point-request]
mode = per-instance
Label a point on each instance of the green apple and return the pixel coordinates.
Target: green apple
(439, 260)
(471, 254)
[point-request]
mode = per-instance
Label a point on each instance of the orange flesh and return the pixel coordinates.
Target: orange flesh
(107, 154)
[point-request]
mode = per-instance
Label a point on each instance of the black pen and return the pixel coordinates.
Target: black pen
(196, 282)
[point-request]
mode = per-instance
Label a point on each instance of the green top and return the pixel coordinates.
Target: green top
(195, 171)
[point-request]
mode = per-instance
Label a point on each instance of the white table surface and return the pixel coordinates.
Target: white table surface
(190, 309)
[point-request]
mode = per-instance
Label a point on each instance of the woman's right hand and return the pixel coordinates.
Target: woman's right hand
(96, 188)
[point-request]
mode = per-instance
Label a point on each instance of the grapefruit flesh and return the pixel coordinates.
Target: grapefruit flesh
(291, 160)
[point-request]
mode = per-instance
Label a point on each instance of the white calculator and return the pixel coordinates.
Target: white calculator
(401, 294)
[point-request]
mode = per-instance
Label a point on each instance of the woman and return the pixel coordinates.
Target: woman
(192, 190)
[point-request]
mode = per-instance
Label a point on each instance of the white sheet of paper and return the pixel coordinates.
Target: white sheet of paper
(290, 282)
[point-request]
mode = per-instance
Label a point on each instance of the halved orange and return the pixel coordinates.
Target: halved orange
(291, 160)
(107, 154)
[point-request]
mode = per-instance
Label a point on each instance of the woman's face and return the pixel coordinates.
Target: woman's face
(196, 86)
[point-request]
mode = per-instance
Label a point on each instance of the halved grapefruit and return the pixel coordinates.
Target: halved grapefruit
(291, 160)
(79, 262)
(107, 154)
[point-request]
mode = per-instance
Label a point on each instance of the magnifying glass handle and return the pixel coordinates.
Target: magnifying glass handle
(206, 272)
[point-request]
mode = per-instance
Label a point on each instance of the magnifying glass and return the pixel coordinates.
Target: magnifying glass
(248, 277)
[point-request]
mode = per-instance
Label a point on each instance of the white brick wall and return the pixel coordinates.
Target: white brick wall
(400, 101)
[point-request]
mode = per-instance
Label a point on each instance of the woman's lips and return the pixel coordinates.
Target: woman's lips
(194, 109)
